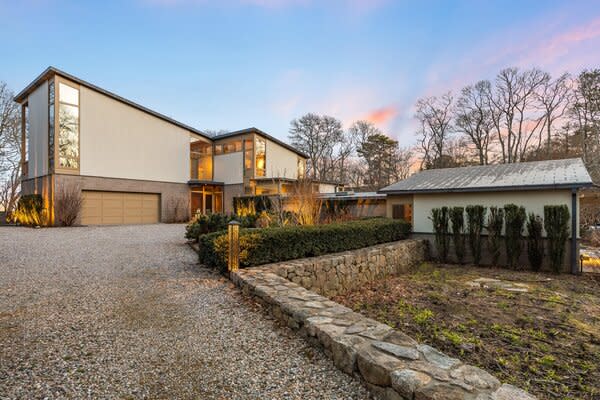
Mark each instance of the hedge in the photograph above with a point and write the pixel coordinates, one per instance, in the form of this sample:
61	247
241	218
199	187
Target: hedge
270	245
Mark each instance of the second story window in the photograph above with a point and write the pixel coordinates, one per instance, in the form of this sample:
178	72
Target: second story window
301	168
68	120
25	138
51	124
248	151
261	157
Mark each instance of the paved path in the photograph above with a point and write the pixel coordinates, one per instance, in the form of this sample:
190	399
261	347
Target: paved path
125	312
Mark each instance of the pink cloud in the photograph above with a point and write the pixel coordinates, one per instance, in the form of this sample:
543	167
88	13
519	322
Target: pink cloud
382	115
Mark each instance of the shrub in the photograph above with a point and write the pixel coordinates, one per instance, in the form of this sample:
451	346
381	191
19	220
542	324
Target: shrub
495	223
475	223
556	223
269	245
457	216
535	241
513	236
67	204
439	217
30	211
209	223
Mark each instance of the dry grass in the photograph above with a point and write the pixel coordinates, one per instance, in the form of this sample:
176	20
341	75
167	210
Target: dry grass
546	340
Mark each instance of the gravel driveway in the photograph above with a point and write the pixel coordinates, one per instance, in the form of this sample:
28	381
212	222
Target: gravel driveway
125	312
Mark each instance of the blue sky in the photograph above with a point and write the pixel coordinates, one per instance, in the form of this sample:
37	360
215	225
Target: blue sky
233	64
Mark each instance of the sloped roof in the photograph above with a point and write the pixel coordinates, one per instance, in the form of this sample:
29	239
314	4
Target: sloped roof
537	175
50	71
261	133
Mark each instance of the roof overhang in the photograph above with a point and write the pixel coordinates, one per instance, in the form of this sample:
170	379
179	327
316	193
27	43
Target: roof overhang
521	188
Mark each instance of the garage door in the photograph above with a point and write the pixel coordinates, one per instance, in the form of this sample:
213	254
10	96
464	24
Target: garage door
101	208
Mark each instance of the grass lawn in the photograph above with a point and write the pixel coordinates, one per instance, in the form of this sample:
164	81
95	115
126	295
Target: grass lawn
545	339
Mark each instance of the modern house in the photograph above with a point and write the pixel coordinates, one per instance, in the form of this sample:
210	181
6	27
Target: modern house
134	165
532	185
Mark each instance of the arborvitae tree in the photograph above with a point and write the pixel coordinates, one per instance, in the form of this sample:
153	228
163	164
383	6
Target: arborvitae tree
440	219
513	236
535	241
475	224
556	223
495	223
457	216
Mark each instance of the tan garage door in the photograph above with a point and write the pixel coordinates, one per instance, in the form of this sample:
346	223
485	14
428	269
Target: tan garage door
114	208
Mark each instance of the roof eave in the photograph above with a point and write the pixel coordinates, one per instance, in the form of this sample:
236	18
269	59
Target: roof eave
489	189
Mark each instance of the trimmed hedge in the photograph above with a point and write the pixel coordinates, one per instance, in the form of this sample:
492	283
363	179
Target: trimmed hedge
270	245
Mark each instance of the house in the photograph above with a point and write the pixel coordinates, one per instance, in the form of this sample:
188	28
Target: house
529	184
134	165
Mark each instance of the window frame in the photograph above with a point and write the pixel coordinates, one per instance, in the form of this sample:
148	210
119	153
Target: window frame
256	169
57	167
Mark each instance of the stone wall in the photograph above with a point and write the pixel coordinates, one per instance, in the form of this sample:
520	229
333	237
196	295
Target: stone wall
391	364
338	273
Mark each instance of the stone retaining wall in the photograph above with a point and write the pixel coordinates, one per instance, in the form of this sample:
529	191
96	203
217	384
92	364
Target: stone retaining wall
339	273
392	365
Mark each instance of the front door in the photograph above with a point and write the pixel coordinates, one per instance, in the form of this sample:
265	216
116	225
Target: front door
207	199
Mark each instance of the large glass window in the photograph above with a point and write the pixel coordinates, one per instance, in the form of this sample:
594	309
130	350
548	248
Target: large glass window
201	160
261	157
51	124
68	119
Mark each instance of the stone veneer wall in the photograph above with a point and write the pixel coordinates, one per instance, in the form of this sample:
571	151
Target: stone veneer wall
334	274
392	365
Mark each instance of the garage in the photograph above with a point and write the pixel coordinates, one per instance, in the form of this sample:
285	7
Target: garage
117	208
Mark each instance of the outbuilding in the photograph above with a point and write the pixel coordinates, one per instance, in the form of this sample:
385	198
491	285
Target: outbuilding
532	185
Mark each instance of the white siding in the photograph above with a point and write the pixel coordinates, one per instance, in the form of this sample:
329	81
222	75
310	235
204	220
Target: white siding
533	201
38	131
119	141
229	168
281	162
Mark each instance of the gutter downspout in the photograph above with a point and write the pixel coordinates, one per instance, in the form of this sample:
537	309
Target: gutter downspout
574	244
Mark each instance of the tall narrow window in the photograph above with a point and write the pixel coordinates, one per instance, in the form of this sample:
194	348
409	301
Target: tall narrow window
261	157
25	138
301	167
51	124
248	151
68	119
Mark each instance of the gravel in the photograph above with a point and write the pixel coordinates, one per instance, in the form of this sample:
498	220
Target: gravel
126	312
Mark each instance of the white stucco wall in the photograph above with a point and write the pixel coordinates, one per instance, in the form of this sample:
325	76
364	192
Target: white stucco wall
326	188
38	131
119	141
533	201
281	162
228	168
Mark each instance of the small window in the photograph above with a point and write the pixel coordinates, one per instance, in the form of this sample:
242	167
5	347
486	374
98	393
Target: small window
218	149
402	211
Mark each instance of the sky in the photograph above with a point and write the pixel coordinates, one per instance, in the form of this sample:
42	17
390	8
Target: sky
234	64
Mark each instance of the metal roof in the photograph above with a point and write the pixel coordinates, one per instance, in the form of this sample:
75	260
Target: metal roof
261	133
536	175
352	196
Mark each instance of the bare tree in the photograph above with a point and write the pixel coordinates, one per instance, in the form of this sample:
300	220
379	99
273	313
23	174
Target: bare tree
322	139
474	118
10	149
435	117
585	116
513	102
554	97
403	159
